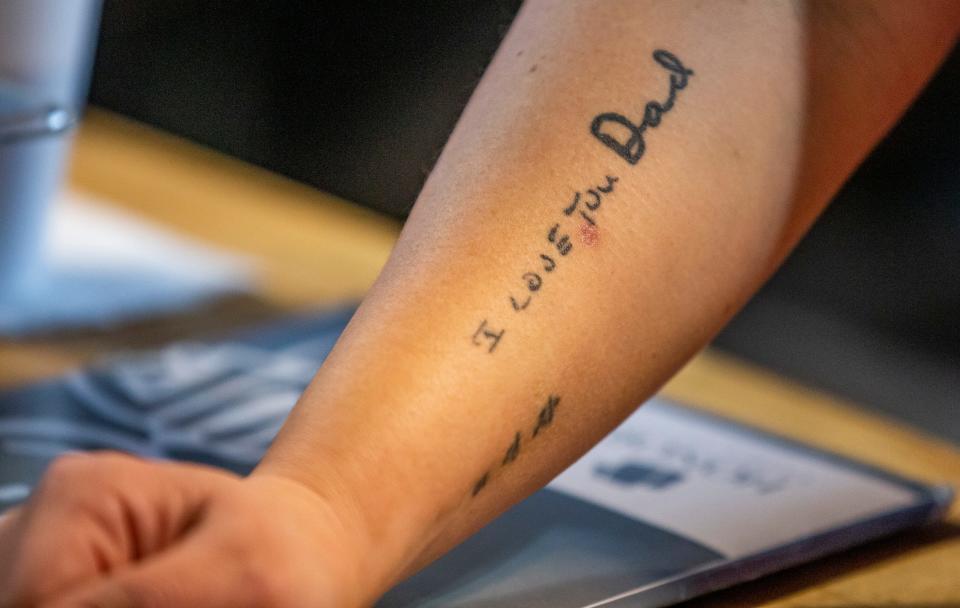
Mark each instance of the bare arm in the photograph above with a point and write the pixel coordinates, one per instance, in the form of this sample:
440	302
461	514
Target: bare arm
626	175
624	178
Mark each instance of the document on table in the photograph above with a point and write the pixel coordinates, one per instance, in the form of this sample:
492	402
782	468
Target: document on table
673	504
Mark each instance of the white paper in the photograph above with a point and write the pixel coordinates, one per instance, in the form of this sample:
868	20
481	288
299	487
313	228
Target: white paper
735	492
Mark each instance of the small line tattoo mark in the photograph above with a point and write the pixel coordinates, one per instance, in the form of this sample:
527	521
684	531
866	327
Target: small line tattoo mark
513	451
545	417
481	483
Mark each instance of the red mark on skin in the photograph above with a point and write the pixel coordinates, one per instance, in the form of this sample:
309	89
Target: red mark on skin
589	234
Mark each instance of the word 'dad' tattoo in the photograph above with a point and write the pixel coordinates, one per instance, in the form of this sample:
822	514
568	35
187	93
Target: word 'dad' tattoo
624	136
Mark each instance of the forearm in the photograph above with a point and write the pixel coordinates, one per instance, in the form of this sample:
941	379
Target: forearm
512	329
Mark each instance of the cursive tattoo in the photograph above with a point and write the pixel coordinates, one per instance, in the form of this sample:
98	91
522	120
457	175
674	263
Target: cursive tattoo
559	244
605	126
626	139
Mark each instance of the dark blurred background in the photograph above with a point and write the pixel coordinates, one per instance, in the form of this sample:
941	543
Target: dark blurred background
357	98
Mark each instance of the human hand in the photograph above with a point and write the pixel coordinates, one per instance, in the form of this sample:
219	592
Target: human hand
109	530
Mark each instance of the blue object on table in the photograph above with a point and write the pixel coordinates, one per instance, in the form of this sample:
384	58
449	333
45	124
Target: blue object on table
217	403
23	116
32	154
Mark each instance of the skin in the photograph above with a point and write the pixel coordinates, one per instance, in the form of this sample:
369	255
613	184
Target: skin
376	472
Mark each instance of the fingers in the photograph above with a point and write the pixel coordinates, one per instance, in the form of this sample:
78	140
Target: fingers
93	515
69	530
198	572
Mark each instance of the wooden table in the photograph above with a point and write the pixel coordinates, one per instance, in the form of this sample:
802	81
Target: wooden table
317	250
